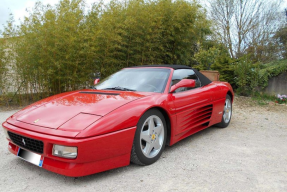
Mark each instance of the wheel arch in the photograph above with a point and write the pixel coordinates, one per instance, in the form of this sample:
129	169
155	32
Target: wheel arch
226	88
167	120
230	94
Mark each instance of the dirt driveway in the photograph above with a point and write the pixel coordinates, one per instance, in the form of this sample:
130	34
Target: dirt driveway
249	155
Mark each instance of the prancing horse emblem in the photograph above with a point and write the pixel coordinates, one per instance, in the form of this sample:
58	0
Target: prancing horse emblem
23	141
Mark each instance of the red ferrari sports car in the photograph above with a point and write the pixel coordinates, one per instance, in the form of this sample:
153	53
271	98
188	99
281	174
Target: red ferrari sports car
128	117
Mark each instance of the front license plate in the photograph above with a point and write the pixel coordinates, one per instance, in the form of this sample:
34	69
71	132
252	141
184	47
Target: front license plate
30	157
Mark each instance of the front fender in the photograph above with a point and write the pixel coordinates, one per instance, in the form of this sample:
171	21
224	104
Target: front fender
125	116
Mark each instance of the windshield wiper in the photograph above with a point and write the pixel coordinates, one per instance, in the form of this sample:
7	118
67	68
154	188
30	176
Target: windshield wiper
120	88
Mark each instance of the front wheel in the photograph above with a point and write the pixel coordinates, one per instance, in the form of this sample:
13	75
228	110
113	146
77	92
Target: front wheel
227	112
150	138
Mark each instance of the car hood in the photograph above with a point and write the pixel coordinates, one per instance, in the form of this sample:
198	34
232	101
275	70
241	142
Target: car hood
59	109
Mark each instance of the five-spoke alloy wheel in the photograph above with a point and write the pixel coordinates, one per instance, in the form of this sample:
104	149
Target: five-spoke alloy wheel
227	112
150	138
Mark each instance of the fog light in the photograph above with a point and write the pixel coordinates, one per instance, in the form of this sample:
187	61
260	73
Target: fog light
64	151
6	133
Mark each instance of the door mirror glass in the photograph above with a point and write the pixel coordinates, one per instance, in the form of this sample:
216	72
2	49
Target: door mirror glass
95	77
96	81
189	83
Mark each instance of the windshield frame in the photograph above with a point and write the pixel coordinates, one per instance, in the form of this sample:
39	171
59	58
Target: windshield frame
139	68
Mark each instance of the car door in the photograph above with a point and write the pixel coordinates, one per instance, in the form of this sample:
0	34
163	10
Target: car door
193	106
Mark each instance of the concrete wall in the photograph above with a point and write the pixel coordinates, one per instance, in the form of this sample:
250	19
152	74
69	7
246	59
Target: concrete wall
277	85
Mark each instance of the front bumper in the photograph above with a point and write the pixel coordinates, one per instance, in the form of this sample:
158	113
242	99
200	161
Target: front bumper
95	154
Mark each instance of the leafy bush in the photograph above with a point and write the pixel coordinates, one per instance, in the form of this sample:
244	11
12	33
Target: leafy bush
247	77
216	58
3	68
272	69
254	77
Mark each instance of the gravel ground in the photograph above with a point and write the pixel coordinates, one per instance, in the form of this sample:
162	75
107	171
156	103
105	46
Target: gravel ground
249	155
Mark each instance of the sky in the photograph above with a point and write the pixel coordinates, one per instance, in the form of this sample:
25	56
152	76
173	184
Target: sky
18	8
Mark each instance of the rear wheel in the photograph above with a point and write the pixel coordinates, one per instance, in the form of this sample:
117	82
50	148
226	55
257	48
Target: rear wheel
150	138
227	113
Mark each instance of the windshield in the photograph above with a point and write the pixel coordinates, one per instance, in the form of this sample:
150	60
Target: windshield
136	79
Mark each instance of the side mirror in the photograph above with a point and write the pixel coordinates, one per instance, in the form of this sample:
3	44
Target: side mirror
183	83
96	81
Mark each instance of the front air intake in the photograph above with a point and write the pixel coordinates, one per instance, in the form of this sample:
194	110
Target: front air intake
27	143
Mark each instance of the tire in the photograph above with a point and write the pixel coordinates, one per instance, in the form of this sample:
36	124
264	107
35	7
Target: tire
226	114
150	138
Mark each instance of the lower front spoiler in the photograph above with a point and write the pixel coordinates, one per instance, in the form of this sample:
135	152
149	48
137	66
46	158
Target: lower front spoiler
79	169
95	155
83	169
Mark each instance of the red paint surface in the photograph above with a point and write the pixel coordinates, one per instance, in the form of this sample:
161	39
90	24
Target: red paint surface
103	126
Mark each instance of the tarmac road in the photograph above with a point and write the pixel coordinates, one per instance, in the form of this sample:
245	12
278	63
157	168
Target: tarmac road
249	155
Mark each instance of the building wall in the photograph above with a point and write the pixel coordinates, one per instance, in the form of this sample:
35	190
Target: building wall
277	85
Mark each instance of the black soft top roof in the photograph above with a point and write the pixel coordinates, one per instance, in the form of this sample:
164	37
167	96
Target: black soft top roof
170	66
203	79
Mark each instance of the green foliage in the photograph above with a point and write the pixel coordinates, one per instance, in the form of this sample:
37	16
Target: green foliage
271	69
224	64
281	38
216	58
56	48
3	71
264	99
206	58
247	78
3	68
263	53
6	57
251	78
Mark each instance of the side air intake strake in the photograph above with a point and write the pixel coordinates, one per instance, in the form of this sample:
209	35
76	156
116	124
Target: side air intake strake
201	116
197	119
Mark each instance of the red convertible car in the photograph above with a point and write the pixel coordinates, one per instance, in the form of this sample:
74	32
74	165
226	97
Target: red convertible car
128	117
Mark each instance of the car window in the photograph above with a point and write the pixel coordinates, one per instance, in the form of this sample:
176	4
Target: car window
136	79
180	74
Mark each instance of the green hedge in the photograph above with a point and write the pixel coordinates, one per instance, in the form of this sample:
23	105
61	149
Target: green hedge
270	70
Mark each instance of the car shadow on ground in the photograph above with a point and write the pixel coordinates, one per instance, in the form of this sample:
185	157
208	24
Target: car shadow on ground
192	138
